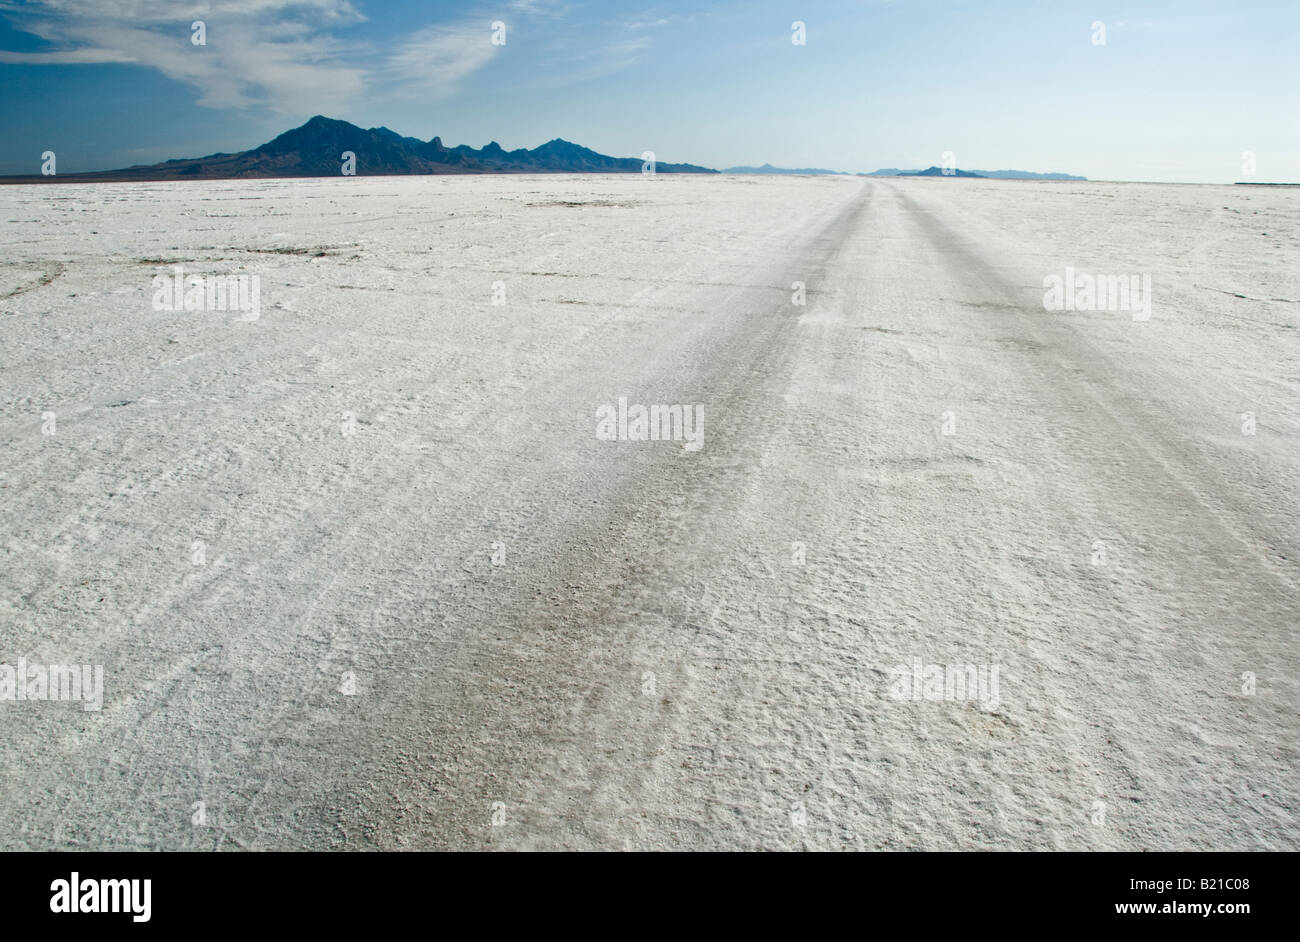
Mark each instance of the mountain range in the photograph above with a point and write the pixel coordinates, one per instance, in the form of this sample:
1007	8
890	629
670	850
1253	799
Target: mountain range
316	150
940	172
993	174
929	172
768	168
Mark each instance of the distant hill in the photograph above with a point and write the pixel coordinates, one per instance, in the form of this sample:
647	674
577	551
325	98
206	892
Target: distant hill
1026	175
938	172
315	150
993	174
768	168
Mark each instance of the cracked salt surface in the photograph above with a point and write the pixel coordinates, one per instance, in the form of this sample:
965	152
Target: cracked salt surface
431	608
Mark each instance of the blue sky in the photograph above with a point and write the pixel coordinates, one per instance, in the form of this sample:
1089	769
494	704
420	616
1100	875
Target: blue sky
1179	90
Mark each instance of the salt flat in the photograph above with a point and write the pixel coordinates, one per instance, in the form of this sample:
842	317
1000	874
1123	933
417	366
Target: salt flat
360	573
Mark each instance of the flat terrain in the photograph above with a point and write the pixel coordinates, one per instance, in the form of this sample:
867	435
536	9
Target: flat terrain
361	575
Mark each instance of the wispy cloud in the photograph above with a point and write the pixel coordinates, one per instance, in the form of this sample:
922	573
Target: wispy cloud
177	10
281	55
654	22
297	57
432	61
595	61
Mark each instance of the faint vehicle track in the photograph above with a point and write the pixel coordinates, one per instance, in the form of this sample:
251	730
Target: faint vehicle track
52	271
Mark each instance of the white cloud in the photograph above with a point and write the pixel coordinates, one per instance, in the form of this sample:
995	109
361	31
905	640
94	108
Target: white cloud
433	60
275	54
166	11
